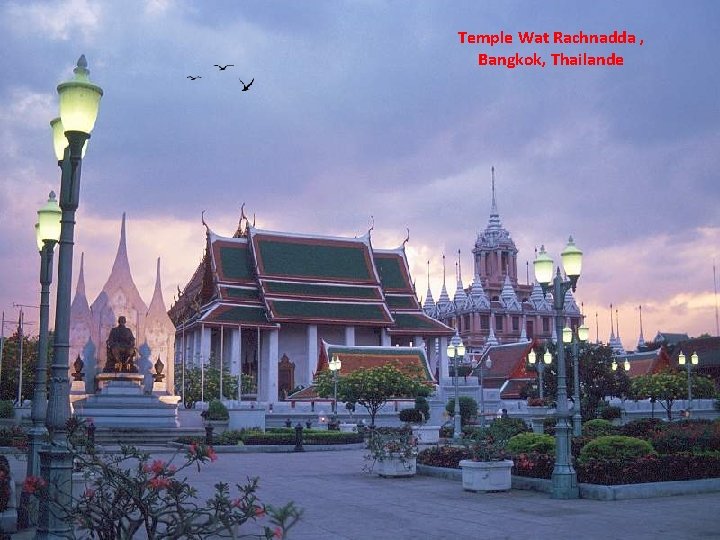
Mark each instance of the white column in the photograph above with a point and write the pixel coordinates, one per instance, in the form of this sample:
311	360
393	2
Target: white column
270	369
205	344
418	341
312	357
350	336
233	337
444	369
384	338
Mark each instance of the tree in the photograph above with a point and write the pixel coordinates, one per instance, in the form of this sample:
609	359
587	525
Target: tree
668	386
371	387
597	378
9	377
205	383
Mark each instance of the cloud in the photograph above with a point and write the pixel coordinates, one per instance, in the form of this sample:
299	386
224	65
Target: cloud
59	20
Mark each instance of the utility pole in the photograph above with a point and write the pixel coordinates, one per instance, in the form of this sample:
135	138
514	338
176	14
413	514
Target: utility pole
2	342
20	356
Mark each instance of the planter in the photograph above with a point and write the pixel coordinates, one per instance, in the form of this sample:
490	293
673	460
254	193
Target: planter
426	434
348	428
395	467
486	475
9	516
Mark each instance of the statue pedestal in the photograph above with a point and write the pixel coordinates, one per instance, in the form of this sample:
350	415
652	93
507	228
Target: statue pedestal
122	403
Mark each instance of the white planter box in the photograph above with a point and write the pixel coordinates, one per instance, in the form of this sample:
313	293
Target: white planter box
486	475
395	467
426	434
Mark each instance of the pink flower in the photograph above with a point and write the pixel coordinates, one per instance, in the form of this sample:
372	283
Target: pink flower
277	533
193	449
211	454
236	503
159	483
259	511
171	469
89	493
157	466
33	484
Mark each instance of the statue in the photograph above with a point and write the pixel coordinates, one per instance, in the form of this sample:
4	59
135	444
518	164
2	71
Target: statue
121	350
159	366
78	365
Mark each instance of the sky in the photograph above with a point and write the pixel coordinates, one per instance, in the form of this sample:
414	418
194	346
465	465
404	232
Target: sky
374	113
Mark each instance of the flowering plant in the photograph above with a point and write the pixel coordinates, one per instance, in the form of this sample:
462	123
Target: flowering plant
485	447
128	494
388	444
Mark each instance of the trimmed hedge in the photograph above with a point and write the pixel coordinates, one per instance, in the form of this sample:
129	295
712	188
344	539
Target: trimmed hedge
612	447
687	436
525	443
642	428
534	465
412	416
598	428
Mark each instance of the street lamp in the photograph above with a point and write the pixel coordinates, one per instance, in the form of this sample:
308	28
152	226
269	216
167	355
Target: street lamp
456	350
564	478
47	232
335	365
574	338
487	364
694	360
540	368
626	365
79	102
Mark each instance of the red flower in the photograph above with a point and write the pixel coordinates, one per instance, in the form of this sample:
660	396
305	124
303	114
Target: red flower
211	454
159	482
89	493
259	511
236	503
33	484
277	533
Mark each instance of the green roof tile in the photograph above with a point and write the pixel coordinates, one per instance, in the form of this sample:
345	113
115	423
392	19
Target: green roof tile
392	275
241	294
240	314
318	290
234	262
401	302
366	313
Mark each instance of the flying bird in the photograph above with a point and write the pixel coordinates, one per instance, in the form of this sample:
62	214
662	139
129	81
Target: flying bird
193	78
246	87
223	68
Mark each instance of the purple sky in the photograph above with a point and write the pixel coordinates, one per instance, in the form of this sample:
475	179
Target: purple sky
370	108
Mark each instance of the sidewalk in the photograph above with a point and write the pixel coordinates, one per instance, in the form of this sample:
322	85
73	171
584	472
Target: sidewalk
341	502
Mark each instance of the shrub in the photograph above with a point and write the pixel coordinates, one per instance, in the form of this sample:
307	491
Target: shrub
502	429
443	456
597	428
468	408
13	436
688	436
641	428
216	411
412	416
577	443
6	409
611	412
4	483
615	447
534	465
549	425
524	443
422	405
660	468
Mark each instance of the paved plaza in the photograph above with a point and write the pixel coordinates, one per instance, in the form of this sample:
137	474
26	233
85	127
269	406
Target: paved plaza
341	502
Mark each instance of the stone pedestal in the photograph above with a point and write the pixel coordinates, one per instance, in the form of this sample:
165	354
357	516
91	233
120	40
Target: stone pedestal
121	402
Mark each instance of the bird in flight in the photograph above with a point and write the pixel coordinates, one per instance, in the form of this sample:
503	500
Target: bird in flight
223	68
246	87
193	78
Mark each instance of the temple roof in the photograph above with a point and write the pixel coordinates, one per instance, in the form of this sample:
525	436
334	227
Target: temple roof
495	235
262	278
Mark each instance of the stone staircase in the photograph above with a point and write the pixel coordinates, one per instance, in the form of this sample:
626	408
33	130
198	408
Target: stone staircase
137	436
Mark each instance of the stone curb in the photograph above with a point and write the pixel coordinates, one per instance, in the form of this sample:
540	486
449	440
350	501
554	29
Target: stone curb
274	448
596	491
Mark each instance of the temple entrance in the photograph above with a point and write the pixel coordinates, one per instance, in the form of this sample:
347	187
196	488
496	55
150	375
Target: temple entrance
286	377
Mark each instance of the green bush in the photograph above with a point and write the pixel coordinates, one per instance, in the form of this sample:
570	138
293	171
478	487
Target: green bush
6	409
422	405
412	416
524	443
597	428
549	423
502	429
642	428
216	411
468	408
617	447
610	412
443	456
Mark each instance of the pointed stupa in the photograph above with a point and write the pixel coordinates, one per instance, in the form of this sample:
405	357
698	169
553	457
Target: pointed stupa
460	297
429	306
444	305
160	335
508	296
492	340
641	339
618	347
523	330
81	327
477	299
80	303
571	306
537	299
611	341
119	297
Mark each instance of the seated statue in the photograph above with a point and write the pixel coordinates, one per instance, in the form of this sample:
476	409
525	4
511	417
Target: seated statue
121	350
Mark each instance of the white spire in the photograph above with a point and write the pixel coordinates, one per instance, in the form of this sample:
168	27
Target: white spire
121	266
492	339
570	304
641	339
477	298
157	303
80	305
523	330
494	215
537	299
444	305
429	306
508	296
460	298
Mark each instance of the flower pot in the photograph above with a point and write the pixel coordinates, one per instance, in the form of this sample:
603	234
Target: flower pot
486	475
395	466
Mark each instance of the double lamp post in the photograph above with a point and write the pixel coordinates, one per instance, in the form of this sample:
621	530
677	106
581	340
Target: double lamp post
79	102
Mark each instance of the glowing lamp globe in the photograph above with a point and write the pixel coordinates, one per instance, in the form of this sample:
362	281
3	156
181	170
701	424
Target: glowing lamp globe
543	266
583	333
567	335
681	358
79	100
571	259
547	357
48	225
694	359
532	357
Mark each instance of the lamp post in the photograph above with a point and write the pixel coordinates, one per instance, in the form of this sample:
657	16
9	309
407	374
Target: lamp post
456	350
79	102
335	365
564	478
47	231
547	359
573	337
694	360
487	364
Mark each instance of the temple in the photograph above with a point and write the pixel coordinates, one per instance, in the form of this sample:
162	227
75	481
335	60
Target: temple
496	308
262	303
